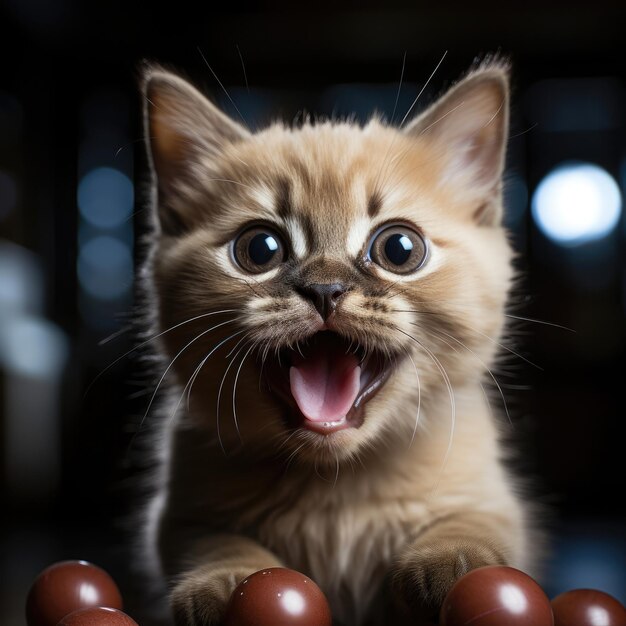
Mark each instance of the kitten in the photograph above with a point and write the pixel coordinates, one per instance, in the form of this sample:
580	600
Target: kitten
329	298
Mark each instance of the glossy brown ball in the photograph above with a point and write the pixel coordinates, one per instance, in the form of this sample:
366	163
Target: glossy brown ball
66	587
496	596
277	597
588	607
97	616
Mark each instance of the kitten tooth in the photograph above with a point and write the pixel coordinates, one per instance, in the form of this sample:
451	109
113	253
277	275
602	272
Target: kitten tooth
335	422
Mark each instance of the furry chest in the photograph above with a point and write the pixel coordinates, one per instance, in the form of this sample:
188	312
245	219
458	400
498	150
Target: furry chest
347	550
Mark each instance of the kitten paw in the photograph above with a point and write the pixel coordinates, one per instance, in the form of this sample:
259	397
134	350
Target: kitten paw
200	598
425	573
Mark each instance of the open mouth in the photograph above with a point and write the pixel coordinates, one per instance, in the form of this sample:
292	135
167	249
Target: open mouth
326	381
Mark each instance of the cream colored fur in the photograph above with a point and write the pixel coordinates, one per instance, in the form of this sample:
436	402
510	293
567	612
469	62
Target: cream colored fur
417	495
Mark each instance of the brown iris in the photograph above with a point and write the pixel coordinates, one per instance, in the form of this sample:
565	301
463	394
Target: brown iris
398	248
259	249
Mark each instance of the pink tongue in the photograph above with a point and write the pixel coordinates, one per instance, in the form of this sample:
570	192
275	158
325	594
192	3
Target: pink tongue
325	384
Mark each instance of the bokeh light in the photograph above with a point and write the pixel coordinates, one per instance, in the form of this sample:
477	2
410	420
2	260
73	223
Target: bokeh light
589	558
21	280
105	197
32	346
577	203
105	268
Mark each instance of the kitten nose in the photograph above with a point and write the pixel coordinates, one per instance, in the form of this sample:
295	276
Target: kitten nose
324	297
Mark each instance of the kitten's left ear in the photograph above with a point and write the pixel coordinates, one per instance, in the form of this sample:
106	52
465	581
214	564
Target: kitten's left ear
185	133
469	127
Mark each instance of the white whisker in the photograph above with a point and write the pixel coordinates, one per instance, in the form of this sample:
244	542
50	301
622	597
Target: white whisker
235	389
243	67
530	319
385	162
443	117
395	106
446	379
419	399
222	86
147	341
219	391
292	456
193	377
506	408
192	380
172	363
423	88
230	180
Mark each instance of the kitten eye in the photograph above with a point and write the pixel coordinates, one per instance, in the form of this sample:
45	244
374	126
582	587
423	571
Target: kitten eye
259	249
398	249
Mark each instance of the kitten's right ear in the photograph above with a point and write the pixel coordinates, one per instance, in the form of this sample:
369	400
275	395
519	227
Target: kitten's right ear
184	133
469	128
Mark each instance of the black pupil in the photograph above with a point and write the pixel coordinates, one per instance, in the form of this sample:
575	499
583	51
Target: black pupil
262	248
398	249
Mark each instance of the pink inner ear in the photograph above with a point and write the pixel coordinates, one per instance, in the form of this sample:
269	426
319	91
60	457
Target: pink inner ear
325	384
468	128
475	155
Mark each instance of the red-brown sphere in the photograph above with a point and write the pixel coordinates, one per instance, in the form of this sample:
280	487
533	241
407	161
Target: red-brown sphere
97	616
588	607
496	596
66	587
277	597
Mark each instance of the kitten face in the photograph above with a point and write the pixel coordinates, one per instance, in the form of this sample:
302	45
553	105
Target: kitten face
360	272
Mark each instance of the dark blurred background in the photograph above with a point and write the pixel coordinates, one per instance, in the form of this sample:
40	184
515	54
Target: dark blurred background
72	175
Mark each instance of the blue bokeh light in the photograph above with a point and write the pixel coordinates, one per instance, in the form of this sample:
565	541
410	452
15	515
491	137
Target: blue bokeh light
594	558
105	197
105	268
32	346
577	203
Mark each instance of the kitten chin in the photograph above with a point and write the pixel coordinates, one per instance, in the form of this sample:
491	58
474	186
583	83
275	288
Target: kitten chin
328	300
